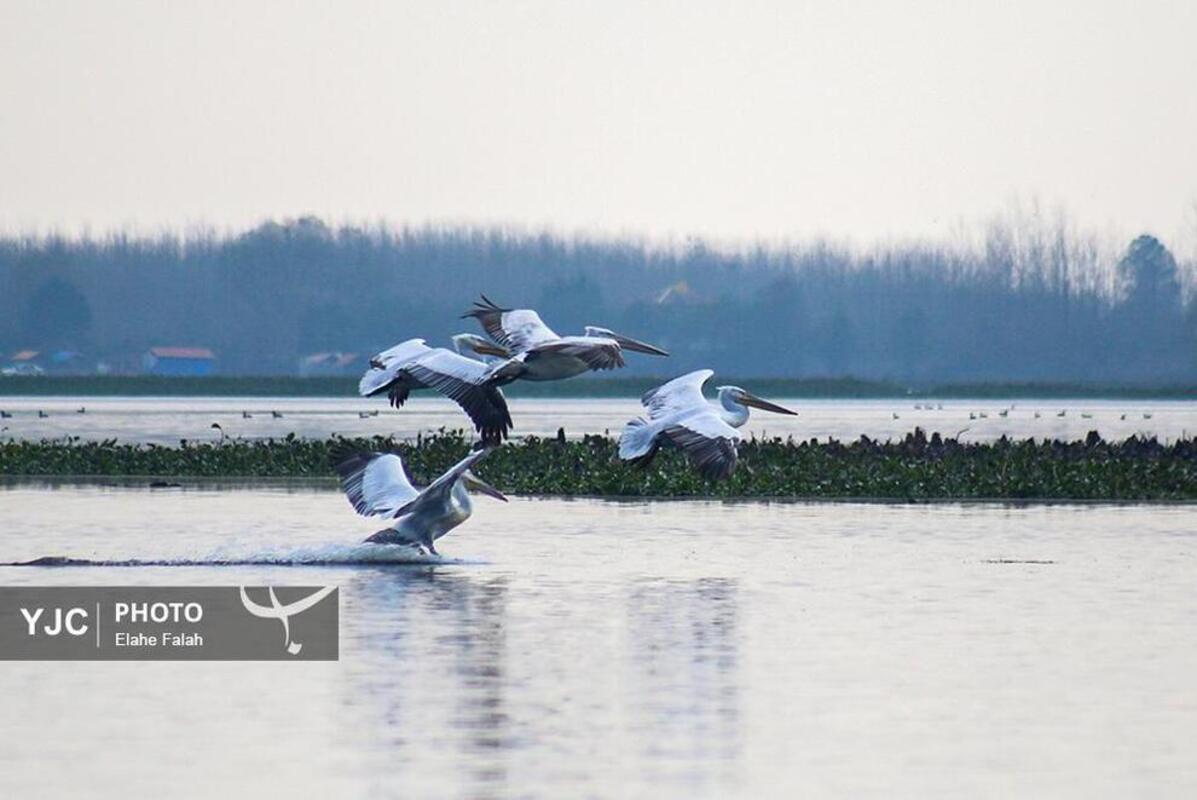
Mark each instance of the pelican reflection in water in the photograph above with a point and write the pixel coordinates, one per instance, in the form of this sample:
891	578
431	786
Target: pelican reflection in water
377	485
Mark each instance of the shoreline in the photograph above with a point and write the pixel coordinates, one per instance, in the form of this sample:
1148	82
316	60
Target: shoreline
70	386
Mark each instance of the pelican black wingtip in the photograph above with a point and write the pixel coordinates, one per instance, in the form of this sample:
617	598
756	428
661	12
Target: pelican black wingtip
482	307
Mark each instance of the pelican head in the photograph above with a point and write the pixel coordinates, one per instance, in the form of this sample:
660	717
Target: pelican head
475	484
729	395
478	345
626	342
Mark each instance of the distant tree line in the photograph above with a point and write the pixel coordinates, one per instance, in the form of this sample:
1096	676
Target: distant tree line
1028	301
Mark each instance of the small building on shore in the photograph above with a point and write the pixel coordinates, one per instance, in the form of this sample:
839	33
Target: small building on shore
188	361
330	364
24	362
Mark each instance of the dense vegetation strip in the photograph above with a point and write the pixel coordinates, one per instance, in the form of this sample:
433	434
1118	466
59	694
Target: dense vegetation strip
915	468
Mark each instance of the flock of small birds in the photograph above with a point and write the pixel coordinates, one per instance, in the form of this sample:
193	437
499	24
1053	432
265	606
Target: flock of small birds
972	415
1005	412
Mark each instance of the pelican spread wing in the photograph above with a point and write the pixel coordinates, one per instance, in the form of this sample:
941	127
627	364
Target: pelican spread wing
435	493
414	365
518	329
375	483
680	394
679	415
596	353
708	442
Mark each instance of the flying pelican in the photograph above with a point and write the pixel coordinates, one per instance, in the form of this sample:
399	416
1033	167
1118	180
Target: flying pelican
537	353
377	485
679	415
479	345
414	365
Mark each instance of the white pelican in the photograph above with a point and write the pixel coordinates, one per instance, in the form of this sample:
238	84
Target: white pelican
414	365
479	345
537	353
679	415
377	485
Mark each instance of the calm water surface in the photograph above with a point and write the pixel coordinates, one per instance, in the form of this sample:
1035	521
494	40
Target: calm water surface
166	420
574	648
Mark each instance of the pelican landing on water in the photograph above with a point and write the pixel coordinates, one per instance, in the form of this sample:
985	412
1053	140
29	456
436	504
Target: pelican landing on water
535	352
414	365
377	485
678	415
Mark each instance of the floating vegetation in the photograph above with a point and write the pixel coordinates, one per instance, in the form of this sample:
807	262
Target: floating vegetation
914	468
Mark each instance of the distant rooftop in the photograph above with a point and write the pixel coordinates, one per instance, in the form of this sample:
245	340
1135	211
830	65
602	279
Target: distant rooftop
182	352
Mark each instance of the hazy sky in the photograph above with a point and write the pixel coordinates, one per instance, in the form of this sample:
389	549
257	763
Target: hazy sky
728	120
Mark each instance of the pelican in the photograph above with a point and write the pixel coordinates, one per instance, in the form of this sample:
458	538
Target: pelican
538	353
479	345
377	485
5	415
414	365
679	415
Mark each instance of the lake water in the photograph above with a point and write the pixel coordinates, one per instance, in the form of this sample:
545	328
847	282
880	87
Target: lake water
633	649
166	420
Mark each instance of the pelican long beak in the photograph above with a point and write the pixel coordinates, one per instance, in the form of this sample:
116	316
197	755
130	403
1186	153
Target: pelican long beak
489	349
757	402
637	346
475	483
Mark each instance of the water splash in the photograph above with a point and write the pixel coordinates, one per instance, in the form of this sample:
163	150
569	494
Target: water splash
364	554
